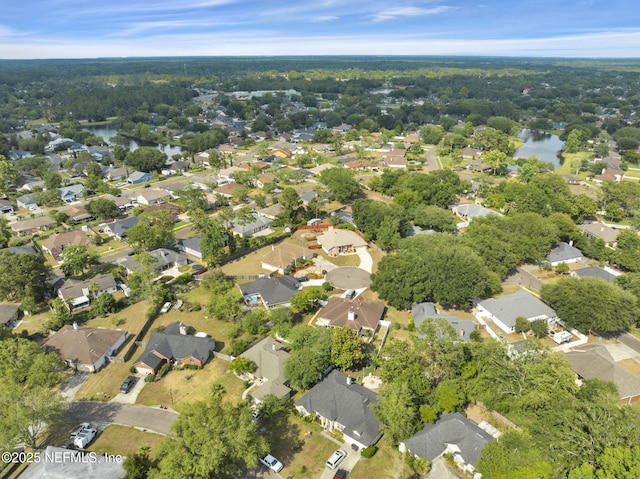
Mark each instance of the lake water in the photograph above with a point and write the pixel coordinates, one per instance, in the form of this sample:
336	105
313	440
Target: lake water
545	146
107	131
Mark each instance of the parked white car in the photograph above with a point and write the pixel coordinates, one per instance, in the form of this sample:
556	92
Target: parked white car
272	463
166	307
84	437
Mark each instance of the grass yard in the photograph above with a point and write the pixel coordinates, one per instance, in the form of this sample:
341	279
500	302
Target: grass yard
379	465
105	384
249	264
180	387
125	441
309	460
567	165
341	260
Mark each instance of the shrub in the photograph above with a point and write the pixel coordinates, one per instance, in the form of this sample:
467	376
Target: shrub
238	347
132	370
163	370
149	378
369	451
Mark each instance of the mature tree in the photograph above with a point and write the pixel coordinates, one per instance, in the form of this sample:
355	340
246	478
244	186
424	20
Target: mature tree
347	349
153	231
141	280
23	276
241	365
310	357
226	306
212	243
514	456
102	208
291	205
439	188
627	255
76	258
105	304
591	304
397	411
254	321
341	183
614	463
433	217
283	320
8	174
306	299
138	464
5	233
380	222
192	198
432	268
211	439
146	158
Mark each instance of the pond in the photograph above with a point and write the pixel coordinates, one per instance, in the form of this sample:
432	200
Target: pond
107	131
545	146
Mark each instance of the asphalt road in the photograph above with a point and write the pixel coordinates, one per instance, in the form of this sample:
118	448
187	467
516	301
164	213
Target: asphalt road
430	155
629	340
149	418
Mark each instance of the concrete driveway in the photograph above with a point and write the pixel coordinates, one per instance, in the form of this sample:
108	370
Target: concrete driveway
366	261
131	396
441	470
72	385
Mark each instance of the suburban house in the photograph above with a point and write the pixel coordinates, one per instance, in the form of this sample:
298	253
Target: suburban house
176	346
472	210
228	189
33	225
272	292
360	164
22	249
503	311
119	229
178	167
57	242
258	225
284	256
117	173
71	193
594	272
26	201
191	246
6	207
77	213
595	362
138	177
336	241
265	179
356	314
165	259
451	434
79	293
153	196
563	253
271	212
9	314
269	356
395	159
341	404
469	153
226	174
85	349
612	174
600	231
427	310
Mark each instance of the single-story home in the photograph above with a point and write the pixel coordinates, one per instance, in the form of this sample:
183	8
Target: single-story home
336	241
610	174
228	189
341	404
600	231
26	201
451	434
85	349
272	292
71	193
176	346
165	260
57	242
595	362
594	272
269	356
473	210
138	177
6	207
356	314
421	312
563	253
503	311
265	179
79	292
9	314
259	223
117	173
191	246
77	213
33	225
153	196
285	255
119	229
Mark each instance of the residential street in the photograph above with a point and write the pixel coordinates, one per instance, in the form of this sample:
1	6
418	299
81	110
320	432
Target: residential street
144	417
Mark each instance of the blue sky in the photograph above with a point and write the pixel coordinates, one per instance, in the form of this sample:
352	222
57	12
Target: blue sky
125	28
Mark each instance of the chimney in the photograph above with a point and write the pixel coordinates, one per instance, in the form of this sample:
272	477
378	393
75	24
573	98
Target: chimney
351	315
183	330
348	380
462	333
273	346
75	326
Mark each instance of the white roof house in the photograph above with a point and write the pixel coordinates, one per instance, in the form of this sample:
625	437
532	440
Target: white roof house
503	311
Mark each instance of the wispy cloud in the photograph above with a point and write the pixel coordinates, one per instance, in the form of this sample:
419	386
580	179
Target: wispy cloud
324	18
393	13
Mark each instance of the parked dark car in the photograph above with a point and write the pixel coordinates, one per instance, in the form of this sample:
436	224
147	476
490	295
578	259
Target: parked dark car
128	384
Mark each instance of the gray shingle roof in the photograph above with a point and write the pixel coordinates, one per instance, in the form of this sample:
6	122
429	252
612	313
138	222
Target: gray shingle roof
346	404
595	272
563	252
120	228
424	311
508	308
273	291
269	355
176	346
453	429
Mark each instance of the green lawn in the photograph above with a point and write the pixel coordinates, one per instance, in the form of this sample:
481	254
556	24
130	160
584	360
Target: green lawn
124	441
379	465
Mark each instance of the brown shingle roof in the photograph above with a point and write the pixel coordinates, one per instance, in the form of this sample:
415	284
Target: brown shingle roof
366	315
284	254
82	345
